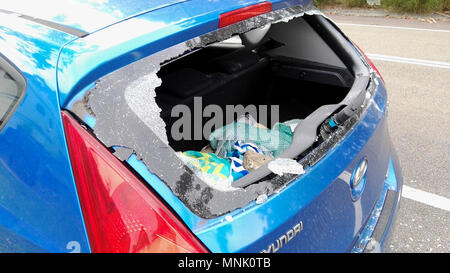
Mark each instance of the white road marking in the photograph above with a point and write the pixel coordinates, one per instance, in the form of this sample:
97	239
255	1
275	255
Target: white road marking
394	27
426	198
408	60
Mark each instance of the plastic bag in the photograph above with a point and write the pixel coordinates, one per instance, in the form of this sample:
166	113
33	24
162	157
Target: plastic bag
270	141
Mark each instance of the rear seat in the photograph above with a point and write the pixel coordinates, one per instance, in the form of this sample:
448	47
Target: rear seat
232	80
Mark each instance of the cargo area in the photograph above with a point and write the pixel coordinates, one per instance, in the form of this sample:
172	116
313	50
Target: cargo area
286	65
289	65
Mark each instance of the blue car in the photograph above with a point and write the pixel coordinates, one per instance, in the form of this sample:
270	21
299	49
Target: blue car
109	109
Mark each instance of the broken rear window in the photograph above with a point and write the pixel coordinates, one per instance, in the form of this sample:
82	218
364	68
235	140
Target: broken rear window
219	117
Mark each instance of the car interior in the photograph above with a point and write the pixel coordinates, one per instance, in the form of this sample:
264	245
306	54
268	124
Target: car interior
285	64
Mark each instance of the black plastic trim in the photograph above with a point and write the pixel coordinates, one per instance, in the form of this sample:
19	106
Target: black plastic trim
385	216
312	71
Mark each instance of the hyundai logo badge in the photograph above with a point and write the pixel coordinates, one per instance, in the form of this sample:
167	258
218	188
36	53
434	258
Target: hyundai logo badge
358	180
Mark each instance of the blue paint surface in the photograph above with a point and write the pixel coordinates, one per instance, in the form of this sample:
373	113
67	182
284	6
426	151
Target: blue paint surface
39	206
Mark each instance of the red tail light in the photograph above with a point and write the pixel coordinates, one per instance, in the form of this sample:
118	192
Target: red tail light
369	61
120	213
244	13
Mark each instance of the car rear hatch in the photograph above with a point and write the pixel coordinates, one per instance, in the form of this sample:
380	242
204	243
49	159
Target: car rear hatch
317	77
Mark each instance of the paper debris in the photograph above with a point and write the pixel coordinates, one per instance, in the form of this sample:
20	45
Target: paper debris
281	166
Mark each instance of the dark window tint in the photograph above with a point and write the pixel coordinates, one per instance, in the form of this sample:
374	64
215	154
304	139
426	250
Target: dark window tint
12	88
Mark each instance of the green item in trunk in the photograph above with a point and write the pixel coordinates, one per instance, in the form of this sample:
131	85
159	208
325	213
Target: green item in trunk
271	141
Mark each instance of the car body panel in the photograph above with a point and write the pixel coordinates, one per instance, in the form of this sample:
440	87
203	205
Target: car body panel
39	208
374	236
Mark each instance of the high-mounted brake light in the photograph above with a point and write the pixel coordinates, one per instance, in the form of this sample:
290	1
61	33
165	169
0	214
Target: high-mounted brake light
120	213
234	16
369	61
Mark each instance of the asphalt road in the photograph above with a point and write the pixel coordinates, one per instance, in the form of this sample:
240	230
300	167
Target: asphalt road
418	117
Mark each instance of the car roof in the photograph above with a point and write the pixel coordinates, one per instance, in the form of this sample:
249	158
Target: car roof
84	15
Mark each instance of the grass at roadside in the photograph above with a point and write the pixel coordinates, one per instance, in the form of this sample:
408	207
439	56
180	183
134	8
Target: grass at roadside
410	6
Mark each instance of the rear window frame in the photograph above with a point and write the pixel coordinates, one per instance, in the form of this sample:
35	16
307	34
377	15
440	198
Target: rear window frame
188	196
17	75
